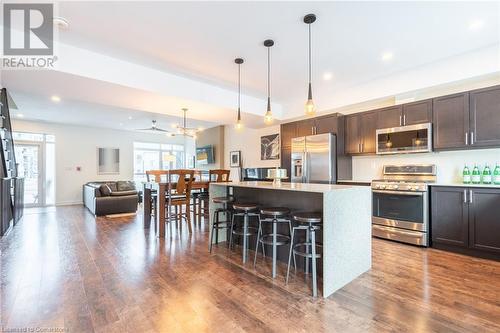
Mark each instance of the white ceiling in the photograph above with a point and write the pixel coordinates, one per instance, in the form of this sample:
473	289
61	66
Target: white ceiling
200	40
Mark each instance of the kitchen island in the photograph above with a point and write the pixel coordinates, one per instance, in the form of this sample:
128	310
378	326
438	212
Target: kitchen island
346	230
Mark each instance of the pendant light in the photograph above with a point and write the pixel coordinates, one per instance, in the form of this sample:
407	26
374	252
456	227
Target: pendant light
309	107
239	124
268	117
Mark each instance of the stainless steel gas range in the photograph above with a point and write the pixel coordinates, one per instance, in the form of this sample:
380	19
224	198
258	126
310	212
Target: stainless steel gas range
401	203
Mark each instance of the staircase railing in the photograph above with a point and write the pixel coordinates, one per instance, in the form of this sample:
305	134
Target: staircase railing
11	186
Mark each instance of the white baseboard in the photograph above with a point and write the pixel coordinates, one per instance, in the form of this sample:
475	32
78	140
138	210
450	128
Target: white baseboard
69	203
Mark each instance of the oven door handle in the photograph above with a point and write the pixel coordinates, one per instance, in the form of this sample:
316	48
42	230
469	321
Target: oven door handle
419	194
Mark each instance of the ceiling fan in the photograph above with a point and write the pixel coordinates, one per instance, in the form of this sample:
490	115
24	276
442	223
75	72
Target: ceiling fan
153	128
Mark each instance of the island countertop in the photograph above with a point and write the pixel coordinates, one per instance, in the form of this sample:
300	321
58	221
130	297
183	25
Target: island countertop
299	187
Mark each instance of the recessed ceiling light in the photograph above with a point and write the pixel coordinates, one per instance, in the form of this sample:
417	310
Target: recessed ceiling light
327	76
386	56
476	25
55	98
20	115
61	23
129	117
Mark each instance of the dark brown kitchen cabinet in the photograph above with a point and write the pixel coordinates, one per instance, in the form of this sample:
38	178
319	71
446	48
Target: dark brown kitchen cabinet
286	160
390	117
360	131
484	219
451	121
327	124
449	216
288	132
352	134
417	112
485	117
368	132
306	127
466	220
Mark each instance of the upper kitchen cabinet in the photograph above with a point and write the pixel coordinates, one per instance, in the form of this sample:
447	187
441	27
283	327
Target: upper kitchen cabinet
390	117
360	131
417	112
451	121
352	134
288	132
306	127
485	117
327	124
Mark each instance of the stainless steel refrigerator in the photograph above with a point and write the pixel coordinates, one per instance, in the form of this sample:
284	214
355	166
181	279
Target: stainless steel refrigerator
314	159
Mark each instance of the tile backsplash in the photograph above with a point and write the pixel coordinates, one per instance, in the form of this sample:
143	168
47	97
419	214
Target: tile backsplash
449	164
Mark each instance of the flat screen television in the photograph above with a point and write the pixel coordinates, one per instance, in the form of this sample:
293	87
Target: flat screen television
205	155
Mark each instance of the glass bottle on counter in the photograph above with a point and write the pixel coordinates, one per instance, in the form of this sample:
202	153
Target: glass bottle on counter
486	175
466	175
496	175
476	175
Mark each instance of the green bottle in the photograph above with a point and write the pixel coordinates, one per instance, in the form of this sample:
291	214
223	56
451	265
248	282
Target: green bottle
466	175
486	175
496	175
476	175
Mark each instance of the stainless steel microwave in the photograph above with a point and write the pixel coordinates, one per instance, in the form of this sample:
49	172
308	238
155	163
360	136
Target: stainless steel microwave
404	139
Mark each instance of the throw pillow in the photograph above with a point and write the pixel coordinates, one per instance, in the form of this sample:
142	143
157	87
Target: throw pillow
125	185
105	190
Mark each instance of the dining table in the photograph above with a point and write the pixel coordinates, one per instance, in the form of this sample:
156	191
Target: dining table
161	202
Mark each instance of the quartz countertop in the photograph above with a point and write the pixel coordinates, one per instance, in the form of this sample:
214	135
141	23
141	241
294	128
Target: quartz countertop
299	187
458	184
354	181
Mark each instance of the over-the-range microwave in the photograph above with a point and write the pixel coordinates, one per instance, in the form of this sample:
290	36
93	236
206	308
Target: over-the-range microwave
404	139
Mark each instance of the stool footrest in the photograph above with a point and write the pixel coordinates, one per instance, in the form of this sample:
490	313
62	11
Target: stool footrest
250	232
304	252
281	239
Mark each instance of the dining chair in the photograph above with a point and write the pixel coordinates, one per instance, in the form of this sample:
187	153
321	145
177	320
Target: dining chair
179	196
216	176
156	176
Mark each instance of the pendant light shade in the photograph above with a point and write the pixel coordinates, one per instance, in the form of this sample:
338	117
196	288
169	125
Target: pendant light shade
309	107
268	117
239	123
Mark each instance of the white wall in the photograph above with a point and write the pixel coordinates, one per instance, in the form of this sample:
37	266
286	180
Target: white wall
247	141
76	147
449	164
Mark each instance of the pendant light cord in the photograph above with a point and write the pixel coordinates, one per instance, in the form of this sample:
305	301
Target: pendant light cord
310	53
239	85
268	72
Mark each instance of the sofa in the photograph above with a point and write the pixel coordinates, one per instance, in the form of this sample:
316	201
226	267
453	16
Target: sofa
110	197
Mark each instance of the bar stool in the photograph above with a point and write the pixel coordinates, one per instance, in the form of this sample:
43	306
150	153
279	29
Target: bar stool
217	223
246	210
310	222
275	215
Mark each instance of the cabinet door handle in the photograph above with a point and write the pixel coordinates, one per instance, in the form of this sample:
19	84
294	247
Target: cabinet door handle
362	146
470	196
400	120
359	147
465	196
466	138
472	137
404	119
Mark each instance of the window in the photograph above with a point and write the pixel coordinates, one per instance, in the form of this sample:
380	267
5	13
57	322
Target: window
156	156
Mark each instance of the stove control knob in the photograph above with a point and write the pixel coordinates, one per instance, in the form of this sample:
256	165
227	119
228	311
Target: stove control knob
395	187
382	186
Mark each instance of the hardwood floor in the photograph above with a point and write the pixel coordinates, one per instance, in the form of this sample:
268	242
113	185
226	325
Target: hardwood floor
61	268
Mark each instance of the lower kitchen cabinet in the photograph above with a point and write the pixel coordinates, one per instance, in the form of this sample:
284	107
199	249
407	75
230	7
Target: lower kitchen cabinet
466	220
450	221
484	219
